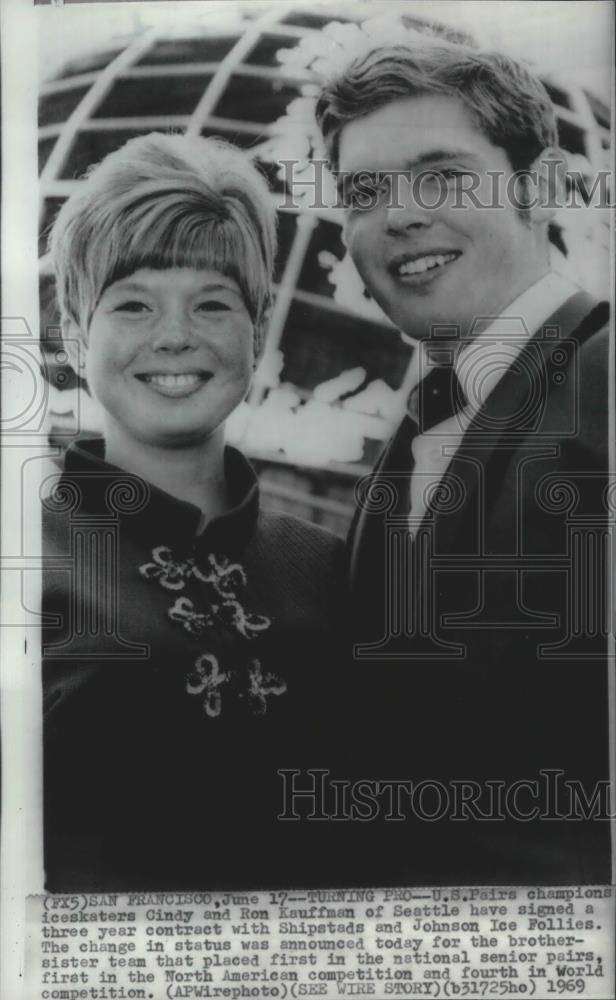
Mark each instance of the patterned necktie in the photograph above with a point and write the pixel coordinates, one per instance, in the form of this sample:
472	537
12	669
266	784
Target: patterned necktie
436	398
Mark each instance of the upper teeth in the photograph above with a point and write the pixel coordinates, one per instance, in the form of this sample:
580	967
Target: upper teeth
173	380
423	263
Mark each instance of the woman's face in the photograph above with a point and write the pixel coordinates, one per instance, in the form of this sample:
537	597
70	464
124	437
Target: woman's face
169	355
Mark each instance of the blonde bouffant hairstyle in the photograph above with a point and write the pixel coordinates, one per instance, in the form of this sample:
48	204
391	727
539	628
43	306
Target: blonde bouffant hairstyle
166	201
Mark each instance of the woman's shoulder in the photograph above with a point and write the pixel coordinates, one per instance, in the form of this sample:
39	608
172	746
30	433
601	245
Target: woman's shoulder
293	547
287	529
58	499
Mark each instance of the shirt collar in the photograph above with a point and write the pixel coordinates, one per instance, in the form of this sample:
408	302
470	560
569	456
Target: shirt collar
154	516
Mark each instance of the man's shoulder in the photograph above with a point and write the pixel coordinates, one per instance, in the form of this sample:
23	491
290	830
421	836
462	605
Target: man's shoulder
593	393
590	360
589	339
594	348
591	316
576	398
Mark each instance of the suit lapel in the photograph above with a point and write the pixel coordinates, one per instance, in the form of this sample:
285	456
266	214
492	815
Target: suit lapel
512	411
486	432
381	494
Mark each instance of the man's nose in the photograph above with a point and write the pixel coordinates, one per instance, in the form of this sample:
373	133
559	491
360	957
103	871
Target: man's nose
406	209
174	332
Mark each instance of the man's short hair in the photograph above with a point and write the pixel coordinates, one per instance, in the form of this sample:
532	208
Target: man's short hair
509	104
164	201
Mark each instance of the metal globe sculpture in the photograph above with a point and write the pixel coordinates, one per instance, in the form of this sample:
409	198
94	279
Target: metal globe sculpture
332	380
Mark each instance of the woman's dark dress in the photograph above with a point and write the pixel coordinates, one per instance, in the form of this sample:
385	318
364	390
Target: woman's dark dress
181	672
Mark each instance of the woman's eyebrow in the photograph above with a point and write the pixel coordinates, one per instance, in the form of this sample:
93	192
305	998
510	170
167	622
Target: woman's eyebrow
129	285
126	286
218	286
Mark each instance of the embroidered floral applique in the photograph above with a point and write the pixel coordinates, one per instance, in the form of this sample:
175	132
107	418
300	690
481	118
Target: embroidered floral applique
246	623
224	576
215	608
206	679
195	622
260	687
170	573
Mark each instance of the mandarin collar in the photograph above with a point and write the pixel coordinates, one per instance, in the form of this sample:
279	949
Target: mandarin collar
154	516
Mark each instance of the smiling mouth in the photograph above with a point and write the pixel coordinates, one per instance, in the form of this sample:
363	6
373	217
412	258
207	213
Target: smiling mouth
417	266
176	383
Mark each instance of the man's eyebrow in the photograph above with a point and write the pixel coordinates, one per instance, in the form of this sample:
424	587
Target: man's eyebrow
440	156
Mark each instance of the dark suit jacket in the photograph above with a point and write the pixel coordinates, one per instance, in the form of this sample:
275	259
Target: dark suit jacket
480	646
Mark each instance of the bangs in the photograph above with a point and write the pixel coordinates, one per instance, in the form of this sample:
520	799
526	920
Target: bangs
163	202
161	236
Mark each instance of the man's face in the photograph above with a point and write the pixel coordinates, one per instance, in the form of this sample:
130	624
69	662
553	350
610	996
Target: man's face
444	265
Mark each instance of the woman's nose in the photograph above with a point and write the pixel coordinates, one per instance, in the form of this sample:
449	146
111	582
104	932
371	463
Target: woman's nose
174	332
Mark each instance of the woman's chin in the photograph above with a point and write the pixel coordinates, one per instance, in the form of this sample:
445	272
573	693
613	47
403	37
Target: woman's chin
185	440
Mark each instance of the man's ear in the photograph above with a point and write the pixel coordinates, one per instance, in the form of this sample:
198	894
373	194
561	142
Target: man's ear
547	191
75	345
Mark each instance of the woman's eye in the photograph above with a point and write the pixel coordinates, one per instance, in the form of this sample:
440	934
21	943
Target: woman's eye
213	305
132	306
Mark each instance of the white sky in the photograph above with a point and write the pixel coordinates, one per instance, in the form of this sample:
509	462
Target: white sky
571	38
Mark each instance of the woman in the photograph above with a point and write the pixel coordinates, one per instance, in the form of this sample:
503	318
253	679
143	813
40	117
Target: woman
190	646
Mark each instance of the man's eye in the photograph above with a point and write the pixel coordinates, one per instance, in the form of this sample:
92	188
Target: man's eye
446	175
454	174
368	195
214	305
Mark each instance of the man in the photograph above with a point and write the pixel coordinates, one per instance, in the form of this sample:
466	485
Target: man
479	549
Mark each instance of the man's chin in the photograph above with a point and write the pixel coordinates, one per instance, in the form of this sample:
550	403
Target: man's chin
413	330
431	329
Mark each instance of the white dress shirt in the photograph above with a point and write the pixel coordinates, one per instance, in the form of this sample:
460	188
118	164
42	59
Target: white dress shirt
480	365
